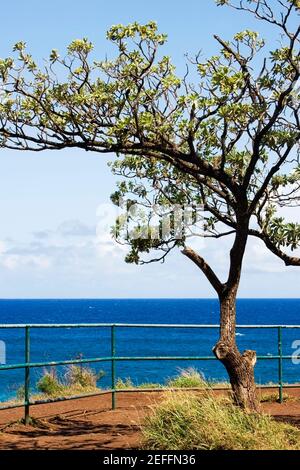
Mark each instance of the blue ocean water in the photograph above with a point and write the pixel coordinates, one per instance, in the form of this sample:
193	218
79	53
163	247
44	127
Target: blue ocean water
63	344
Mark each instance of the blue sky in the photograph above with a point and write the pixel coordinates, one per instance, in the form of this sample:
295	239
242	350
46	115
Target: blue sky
48	201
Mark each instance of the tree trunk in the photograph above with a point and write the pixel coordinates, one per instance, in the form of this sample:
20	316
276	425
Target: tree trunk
240	366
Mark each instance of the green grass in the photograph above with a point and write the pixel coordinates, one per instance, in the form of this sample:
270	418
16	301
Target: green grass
79	379
49	384
187	378
82	378
128	384
184	421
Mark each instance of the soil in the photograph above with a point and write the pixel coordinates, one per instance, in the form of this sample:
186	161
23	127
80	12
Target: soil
89	423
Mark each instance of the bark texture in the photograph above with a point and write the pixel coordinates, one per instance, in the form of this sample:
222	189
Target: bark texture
239	366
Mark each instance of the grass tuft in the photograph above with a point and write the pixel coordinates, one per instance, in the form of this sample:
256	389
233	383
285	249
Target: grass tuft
187	378
186	421
49	384
273	398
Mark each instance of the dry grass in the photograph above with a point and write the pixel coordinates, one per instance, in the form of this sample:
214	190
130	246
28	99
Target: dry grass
186	421
272	397
77	380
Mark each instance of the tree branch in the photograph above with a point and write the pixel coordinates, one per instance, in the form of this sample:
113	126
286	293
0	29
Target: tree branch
205	268
288	260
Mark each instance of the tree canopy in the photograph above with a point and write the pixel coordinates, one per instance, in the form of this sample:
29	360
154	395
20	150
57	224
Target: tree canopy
228	140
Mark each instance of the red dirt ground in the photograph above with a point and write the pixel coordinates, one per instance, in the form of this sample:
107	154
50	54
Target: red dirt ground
89	423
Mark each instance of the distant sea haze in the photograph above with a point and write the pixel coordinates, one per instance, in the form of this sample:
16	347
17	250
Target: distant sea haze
62	344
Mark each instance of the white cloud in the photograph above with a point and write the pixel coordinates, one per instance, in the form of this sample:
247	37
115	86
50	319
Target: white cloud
75	228
2	247
72	246
14	261
76	245
86	264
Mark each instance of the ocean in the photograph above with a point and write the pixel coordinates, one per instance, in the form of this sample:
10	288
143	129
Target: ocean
64	344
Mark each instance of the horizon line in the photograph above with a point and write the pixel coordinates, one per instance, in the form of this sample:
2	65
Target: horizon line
142	298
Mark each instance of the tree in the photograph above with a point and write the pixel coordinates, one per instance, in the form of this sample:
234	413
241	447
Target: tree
229	143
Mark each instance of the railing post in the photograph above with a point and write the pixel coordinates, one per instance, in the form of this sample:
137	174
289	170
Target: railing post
280	390
27	376
113	367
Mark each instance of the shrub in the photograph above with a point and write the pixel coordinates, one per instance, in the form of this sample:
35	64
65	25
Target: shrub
186	421
82	376
49	384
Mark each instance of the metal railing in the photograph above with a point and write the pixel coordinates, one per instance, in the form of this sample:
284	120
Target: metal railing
113	358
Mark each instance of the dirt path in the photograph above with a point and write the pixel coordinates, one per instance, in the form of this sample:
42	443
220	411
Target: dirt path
89	423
